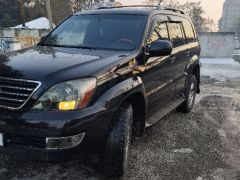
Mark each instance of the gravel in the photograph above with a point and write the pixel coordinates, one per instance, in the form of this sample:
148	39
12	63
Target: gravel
204	144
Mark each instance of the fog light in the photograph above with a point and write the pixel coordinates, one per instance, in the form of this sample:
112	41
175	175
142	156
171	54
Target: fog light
64	142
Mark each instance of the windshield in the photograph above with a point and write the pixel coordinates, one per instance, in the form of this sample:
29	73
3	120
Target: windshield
112	32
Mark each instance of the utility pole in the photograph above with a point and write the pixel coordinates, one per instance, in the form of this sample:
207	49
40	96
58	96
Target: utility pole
22	12
160	3
49	12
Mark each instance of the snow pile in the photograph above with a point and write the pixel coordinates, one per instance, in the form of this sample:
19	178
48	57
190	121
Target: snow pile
40	23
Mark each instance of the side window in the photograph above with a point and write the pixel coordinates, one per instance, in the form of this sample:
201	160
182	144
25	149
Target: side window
160	32
190	35
176	34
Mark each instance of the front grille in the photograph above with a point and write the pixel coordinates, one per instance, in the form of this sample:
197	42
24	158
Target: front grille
14	93
36	142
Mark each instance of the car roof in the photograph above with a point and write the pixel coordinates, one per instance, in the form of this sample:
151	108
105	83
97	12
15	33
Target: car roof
133	10
140	11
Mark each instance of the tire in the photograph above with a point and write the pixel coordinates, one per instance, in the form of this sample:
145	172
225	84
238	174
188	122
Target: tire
190	95
115	158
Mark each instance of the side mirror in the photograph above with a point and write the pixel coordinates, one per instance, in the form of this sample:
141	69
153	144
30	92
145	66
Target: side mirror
160	48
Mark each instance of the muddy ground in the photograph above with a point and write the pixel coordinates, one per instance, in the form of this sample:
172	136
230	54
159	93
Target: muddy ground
204	144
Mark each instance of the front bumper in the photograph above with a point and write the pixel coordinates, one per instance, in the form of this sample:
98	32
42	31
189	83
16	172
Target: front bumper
26	134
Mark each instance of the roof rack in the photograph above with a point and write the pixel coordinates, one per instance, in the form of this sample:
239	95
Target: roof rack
113	7
147	6
174	10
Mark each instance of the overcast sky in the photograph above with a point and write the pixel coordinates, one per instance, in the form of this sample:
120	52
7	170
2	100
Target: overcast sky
213	8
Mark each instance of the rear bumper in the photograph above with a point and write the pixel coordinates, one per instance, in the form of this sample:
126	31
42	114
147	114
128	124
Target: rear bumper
25	135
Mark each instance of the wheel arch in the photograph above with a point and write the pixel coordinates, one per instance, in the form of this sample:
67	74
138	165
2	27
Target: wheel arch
139	105
132	91
196	72
194	68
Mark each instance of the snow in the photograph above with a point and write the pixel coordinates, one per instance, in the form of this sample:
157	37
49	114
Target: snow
221	69
40	23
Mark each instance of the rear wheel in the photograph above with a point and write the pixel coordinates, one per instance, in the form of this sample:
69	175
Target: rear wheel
115	158
190	95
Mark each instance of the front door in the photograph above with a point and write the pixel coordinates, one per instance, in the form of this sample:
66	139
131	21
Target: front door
158	77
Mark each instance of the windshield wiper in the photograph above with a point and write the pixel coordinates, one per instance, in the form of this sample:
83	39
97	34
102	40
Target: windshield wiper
86	47
67	46
82	47
52	45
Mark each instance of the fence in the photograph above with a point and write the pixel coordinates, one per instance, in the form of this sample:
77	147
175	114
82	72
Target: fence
14	39
8	44
4	45
217	44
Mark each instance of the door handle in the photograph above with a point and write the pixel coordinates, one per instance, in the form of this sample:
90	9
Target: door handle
172	59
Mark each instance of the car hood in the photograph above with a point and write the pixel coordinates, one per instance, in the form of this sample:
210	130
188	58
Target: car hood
55	63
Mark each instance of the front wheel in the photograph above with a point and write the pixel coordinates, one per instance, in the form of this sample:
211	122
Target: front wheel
190	95
115	158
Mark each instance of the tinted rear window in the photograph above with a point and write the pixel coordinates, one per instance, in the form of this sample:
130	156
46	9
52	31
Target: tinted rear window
190	35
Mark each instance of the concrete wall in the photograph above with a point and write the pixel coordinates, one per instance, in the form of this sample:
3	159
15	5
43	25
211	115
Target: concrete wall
217	44
237	43
9	44
27	37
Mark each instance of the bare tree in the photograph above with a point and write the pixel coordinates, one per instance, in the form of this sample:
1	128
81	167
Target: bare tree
193	9
164	3
196	13
61	9
49	12
22	12
79	5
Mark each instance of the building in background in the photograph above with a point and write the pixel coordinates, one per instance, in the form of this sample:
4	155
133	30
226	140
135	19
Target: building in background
230	20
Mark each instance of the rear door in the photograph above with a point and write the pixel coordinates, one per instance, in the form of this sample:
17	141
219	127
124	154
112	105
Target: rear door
192	46
180	55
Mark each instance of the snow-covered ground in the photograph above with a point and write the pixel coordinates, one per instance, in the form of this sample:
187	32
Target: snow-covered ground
201	145
220	69
40	23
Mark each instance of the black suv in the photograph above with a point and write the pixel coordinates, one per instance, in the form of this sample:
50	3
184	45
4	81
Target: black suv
99	78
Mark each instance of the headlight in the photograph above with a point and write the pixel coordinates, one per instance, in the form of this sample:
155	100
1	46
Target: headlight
70	95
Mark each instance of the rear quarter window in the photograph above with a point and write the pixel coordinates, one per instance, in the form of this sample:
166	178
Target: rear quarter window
189	32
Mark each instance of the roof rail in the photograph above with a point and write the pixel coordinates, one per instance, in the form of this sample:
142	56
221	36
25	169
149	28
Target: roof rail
147	6
113	7
173	9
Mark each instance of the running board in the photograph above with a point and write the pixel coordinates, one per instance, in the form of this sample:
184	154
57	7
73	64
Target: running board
164	111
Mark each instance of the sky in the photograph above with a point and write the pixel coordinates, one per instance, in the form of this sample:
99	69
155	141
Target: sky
213	8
